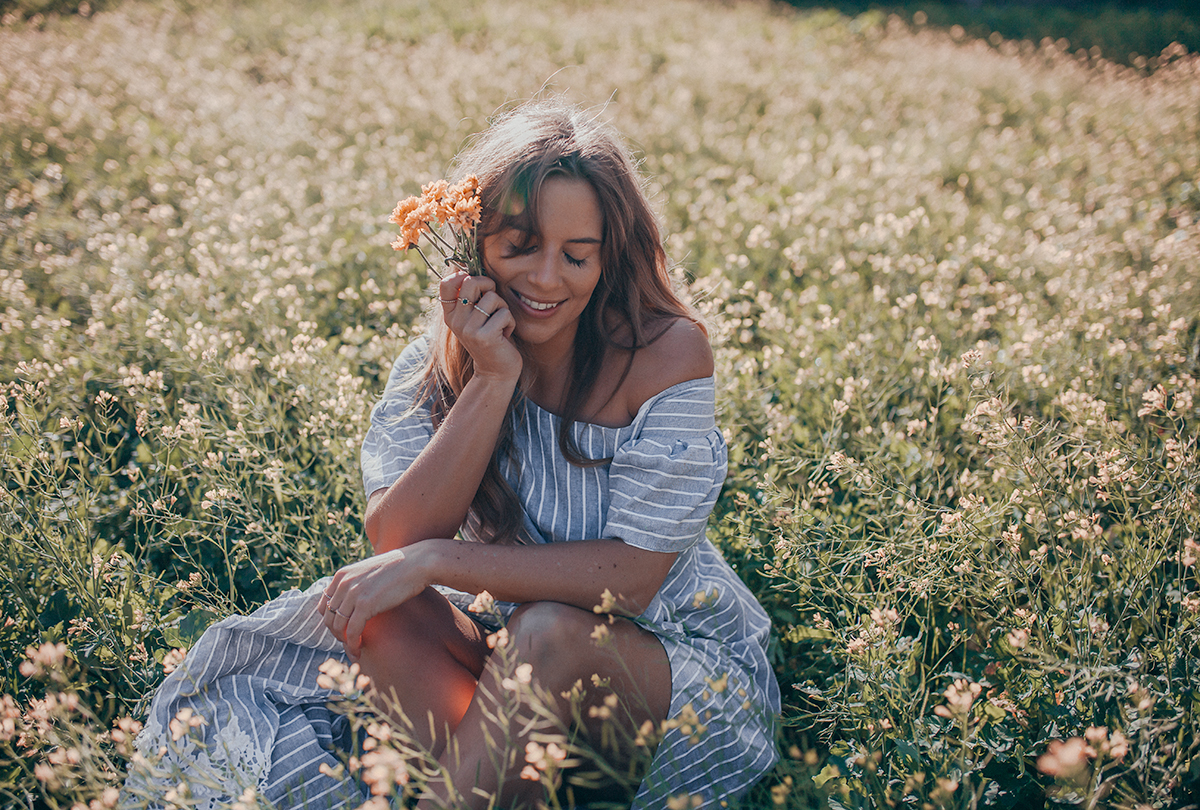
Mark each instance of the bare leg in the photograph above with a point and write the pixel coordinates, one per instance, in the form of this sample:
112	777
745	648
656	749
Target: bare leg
425	657
556	641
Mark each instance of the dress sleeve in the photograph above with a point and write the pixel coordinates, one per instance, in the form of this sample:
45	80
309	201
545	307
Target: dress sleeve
399	430
664	481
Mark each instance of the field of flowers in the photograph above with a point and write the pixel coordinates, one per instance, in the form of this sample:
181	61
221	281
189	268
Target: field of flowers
952	290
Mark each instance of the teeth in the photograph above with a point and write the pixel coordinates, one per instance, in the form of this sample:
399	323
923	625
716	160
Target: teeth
536	304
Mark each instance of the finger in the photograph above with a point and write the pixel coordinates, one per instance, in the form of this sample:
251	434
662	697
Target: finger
482	310
339	626
448	295
476	312
326	599
491	302
501	322
351	642
330	595
474	288
355	625
508	324
330	618
336	617
448	290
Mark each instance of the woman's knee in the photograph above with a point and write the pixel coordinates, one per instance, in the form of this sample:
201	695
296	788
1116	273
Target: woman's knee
551	624
399	626
424	625
557	641
563	646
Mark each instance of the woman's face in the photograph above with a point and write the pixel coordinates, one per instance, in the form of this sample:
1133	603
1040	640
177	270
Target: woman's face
547	279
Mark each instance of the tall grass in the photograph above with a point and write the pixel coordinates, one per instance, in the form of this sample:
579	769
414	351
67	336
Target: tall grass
952	293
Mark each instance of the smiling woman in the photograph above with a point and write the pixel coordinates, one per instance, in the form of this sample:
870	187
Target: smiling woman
547	278
557	417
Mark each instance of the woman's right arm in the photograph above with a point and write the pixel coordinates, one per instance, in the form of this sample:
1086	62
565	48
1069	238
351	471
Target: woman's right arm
431	497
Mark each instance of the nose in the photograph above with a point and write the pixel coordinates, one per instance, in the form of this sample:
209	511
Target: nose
545	272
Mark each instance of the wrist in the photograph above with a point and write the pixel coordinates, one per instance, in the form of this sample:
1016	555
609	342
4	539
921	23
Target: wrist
497	385
428	558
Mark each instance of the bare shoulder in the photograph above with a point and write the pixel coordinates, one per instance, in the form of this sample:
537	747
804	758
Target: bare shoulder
679	354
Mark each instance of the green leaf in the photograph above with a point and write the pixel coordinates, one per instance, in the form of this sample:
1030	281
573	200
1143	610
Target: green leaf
193	625
827	773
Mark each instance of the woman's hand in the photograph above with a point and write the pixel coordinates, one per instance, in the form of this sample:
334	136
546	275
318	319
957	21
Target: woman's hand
479	317
361	591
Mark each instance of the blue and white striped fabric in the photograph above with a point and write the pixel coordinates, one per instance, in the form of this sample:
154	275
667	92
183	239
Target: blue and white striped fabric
666	472
263	723
253	678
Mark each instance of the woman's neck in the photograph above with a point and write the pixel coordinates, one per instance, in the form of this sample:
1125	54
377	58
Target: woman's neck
548	375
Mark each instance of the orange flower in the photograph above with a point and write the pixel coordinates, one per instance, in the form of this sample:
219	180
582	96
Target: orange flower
457	206
403	209
435	190
410	230
1066	760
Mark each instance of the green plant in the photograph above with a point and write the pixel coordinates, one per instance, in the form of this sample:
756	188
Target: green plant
949	286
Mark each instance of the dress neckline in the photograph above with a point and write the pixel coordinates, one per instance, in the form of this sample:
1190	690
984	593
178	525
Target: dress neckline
711	378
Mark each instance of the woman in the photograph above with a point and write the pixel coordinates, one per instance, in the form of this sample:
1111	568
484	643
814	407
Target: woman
558	415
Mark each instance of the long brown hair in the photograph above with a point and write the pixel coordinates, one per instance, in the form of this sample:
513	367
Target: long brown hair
634	298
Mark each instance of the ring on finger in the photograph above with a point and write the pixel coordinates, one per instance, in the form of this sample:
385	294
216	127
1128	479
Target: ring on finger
486	314
448	300
465	301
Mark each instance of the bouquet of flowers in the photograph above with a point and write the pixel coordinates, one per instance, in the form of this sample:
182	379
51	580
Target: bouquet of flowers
447	215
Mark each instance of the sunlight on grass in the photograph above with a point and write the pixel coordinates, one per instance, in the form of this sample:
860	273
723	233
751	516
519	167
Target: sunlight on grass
951	289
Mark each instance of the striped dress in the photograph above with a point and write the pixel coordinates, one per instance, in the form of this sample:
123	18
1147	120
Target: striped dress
255	676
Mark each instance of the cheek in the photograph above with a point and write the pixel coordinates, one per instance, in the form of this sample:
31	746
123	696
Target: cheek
493	259
589	284
499	269
489	260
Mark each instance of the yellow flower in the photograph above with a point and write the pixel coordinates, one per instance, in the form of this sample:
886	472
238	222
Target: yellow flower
601	635
718	684
483	603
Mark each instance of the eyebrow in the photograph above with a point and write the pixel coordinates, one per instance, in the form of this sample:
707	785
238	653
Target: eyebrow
582	240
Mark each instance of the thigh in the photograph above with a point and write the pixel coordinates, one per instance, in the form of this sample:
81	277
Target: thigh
424	659
638	673
625	677
566	644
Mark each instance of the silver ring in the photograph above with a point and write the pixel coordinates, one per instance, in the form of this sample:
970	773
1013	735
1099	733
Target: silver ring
486	314
466	301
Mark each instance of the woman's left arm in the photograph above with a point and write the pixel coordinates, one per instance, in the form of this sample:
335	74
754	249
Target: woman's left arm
573	573
576	572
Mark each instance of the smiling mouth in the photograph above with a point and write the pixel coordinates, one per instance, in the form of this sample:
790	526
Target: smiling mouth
536	305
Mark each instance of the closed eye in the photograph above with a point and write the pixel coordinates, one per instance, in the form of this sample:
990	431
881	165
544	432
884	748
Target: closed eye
571	260
512	251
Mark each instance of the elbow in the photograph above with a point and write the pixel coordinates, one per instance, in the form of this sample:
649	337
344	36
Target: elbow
378	530
651	569
388	528
373	529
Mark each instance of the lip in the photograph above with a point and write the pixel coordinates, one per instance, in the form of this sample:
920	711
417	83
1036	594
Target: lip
525	304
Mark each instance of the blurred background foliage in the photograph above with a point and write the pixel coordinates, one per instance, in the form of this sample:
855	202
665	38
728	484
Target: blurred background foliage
1118	30
950	284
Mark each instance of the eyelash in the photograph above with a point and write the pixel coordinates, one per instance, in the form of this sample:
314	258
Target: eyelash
514	251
